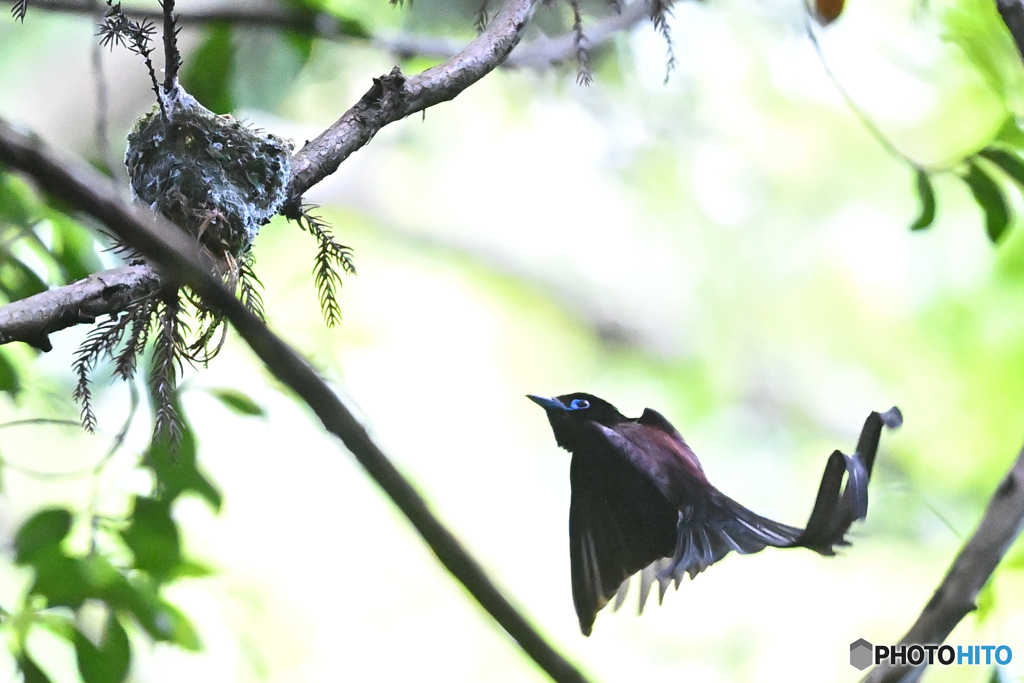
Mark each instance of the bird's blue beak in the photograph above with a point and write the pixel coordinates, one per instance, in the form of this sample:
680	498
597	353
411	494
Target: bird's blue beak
547	403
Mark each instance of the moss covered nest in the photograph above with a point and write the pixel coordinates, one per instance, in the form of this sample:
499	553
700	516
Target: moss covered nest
211	175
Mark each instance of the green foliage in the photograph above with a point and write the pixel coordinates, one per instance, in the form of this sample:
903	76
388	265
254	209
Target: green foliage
41	534
30	671
129	584
10	380
152	536
927	195
109	662
991	200
42	232
208	73
238	402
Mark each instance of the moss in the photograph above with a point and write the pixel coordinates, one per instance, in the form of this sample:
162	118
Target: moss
211	175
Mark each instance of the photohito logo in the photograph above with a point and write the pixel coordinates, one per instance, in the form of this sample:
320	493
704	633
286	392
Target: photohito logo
863	654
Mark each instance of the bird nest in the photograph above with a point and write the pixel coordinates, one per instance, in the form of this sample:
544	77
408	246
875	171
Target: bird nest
211	175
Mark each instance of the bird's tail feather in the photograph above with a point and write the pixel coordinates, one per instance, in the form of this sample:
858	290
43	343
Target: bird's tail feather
701	543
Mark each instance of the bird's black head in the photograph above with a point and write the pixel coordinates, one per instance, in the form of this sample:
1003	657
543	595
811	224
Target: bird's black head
570	412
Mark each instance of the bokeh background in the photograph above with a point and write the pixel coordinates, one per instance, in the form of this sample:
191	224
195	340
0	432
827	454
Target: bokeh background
731	247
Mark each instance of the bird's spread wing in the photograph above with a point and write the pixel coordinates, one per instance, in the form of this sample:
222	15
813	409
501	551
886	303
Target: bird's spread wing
619	523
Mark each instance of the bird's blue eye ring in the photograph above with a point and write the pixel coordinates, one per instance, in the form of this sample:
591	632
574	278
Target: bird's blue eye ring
579	404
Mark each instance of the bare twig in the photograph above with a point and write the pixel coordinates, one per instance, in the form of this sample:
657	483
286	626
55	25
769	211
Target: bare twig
176	254
32	320
956	595
539	53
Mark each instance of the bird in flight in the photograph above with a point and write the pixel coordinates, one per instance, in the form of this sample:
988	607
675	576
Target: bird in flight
641	502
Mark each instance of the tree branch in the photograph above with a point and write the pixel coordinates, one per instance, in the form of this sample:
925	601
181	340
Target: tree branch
175	253
539	53
321	24
393	97
32	320
956	595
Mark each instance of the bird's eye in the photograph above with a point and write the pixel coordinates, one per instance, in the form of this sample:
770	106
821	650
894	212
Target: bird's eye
579	404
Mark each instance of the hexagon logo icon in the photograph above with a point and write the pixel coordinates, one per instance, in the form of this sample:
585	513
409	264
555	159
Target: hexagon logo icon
861	652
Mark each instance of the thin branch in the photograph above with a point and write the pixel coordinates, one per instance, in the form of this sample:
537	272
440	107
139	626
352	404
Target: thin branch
393	97
172	58
32	320
956	596
870	125
540	53
175	253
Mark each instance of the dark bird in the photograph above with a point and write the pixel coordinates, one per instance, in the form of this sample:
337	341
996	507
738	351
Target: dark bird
641	502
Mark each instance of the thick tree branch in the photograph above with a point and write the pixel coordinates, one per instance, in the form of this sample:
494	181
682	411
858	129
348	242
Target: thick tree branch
394	97
1012	12
175	253
956	595
32	320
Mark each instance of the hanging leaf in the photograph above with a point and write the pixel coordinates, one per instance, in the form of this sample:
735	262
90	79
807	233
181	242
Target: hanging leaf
30	670
73	248
990	198
18	281
18	204
153	538
1010	163
927	195
238	402
109	662
10	382
175	468
44	530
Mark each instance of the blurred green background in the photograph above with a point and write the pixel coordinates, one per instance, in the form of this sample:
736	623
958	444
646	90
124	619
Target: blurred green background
731	248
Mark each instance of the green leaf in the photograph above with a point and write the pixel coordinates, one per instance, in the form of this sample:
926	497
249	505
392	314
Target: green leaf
109	662
43	531
18	281
927	195
30	671
238	402
190	569
10	382
176	471
138	596
153	538
990	198
181	631
60	579
1010	163
73	248
18	204
207	76
60	625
